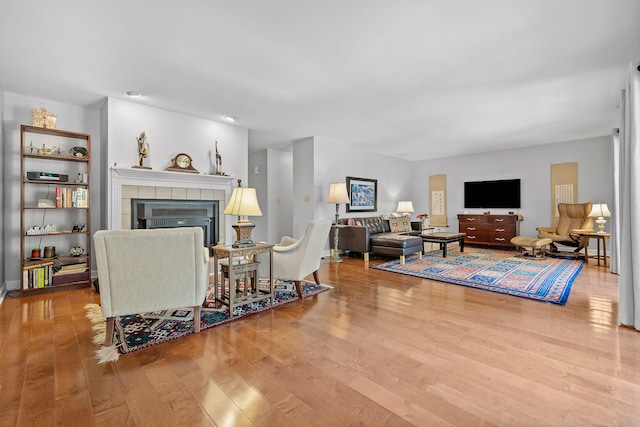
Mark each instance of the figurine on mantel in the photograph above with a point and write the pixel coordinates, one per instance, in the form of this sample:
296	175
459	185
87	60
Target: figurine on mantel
216	162
143	151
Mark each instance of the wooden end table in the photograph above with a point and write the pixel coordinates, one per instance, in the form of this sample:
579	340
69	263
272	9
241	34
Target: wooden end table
599	237
239	267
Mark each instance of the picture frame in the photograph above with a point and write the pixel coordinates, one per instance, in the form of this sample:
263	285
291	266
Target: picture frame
363	194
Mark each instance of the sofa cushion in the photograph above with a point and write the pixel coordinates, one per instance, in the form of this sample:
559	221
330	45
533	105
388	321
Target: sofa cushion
374	224
395	240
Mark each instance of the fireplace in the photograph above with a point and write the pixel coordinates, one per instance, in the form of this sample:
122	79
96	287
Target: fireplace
127	184
169	213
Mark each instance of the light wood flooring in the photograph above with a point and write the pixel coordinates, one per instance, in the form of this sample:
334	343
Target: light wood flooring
380	349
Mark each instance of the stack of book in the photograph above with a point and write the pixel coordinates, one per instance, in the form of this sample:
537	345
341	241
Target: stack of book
71	273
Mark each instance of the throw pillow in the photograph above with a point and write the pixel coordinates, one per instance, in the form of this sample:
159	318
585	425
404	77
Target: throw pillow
351	221
406	223
395	224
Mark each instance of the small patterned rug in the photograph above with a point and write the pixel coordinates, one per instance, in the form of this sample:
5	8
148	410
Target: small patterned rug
139	331
504	272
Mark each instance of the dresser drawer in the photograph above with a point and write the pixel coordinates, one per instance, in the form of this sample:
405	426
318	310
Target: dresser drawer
501	219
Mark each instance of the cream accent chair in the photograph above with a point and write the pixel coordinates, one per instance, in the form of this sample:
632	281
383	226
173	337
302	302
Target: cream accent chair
148	270
573	218
295	259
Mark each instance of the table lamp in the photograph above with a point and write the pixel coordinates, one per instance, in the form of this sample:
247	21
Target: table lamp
337	194
600	210
405	207
243	203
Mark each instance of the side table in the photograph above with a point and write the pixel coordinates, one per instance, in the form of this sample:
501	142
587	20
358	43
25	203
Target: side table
240	269
599	237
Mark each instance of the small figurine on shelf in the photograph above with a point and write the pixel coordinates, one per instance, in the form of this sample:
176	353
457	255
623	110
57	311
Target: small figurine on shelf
216	161
143	151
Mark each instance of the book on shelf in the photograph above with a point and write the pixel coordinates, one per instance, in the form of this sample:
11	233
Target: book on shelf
73	267
37	275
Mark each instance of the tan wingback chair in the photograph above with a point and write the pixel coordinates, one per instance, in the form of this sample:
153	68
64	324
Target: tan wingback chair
573	218
295	259
149	270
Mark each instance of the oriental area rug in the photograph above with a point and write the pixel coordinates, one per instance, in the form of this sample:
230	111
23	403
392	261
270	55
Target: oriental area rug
548	279
139	331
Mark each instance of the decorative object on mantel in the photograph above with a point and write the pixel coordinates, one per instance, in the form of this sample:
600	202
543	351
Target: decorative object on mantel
216	162
337	194
143	151
243	203
42	118
182	163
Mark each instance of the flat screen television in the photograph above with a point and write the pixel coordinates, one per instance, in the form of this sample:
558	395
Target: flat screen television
504	193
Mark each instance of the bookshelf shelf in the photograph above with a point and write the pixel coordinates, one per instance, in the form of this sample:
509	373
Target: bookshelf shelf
60	198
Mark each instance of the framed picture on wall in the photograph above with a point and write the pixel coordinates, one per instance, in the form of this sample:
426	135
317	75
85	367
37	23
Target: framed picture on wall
363	194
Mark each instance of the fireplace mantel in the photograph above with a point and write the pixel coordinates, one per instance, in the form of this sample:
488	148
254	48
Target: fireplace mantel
120	177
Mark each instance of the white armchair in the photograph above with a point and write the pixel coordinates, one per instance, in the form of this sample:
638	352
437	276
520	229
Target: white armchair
148	270
295	259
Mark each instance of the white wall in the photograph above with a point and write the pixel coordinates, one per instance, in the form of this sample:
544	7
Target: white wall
262	185
305	197
274	185
334	161
169	133
3	179
17	111
532	165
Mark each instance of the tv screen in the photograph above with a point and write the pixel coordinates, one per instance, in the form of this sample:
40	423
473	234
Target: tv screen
503	193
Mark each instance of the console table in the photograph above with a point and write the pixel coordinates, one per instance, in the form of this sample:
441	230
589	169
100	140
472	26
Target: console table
240	269
489	229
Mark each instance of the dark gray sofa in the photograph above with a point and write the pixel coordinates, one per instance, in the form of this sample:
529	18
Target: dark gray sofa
375	236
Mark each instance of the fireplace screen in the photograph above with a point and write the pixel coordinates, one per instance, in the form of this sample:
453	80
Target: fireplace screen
157	213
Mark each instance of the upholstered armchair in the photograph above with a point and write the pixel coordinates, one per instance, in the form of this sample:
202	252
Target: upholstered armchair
573	218
295	259
148	270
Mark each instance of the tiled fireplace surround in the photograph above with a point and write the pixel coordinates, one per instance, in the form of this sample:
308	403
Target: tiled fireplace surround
126	184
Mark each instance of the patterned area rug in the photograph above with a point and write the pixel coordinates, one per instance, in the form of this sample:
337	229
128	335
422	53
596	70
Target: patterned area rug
139	331
547	279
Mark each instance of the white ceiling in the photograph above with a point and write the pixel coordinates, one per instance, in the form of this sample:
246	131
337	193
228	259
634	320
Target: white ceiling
412	79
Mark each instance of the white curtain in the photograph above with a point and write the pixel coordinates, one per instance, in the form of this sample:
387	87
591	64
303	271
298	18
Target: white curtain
615	208
627	180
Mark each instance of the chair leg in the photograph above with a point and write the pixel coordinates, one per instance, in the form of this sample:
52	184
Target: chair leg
108	338
316	277
196	318
298	288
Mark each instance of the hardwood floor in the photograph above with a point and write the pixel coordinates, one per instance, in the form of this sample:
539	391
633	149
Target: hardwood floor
380	349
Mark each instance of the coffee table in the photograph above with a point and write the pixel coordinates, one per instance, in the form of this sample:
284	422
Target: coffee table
443	239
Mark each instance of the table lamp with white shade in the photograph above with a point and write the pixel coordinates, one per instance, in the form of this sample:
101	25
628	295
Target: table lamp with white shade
599	211
405	207
243	203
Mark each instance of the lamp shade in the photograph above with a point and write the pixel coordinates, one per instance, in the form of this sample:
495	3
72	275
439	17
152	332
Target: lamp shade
405	206
338	193
599	210
244	202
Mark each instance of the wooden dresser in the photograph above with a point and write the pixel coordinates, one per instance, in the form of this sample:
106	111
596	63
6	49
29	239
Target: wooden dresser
489	229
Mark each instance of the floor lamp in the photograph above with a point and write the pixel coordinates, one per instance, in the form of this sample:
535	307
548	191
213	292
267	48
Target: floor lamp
337	194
